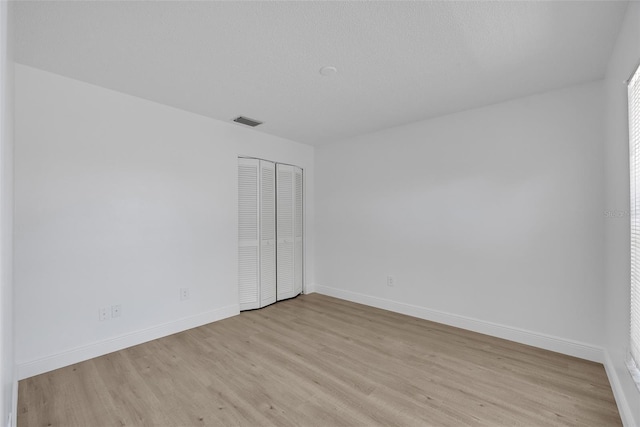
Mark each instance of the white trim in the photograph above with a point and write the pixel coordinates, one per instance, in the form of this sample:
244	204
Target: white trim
618	392
309	288
634	370
523	336
79	354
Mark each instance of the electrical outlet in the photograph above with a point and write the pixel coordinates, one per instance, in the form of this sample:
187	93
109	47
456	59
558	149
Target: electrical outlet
391	281
103	314
184	294
116	310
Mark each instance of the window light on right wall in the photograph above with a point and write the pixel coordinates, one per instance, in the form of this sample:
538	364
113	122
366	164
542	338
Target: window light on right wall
633	92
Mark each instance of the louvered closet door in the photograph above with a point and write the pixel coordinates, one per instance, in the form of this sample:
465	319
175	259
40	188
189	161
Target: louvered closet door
267	233
248	233
289	258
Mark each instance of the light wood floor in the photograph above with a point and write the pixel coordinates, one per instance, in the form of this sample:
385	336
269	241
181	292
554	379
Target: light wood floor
320	361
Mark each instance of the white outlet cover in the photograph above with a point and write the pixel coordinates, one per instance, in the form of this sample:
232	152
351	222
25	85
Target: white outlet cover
102	314
116	310
184	294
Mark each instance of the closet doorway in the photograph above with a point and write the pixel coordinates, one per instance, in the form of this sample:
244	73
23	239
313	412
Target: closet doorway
270	232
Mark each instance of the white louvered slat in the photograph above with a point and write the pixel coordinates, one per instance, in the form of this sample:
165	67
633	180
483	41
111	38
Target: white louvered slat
268	274
268	233
285	202
248	232
634	163
285	270
248	276
298	227
285	231
268	199
298	202
247	202
297	266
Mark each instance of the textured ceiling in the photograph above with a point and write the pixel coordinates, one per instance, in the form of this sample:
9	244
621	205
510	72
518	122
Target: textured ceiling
397	62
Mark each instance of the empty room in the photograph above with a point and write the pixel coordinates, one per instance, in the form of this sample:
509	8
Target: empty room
319	213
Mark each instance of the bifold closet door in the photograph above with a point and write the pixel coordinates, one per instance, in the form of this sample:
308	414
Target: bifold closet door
289	231
248	233
256	233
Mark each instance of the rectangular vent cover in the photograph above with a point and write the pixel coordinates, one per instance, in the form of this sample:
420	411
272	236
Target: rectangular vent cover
247	121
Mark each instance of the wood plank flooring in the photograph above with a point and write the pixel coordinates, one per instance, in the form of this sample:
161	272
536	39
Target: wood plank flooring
321	361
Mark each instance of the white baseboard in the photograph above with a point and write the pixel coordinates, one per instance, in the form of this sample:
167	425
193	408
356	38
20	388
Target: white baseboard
618	392
535	339
79	354
309	288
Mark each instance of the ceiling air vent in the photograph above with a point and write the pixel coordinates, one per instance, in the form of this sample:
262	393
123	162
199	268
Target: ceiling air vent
247	121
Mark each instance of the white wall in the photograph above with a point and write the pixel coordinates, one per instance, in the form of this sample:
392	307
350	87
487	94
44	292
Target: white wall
617	266
489	219
7	367
119	200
